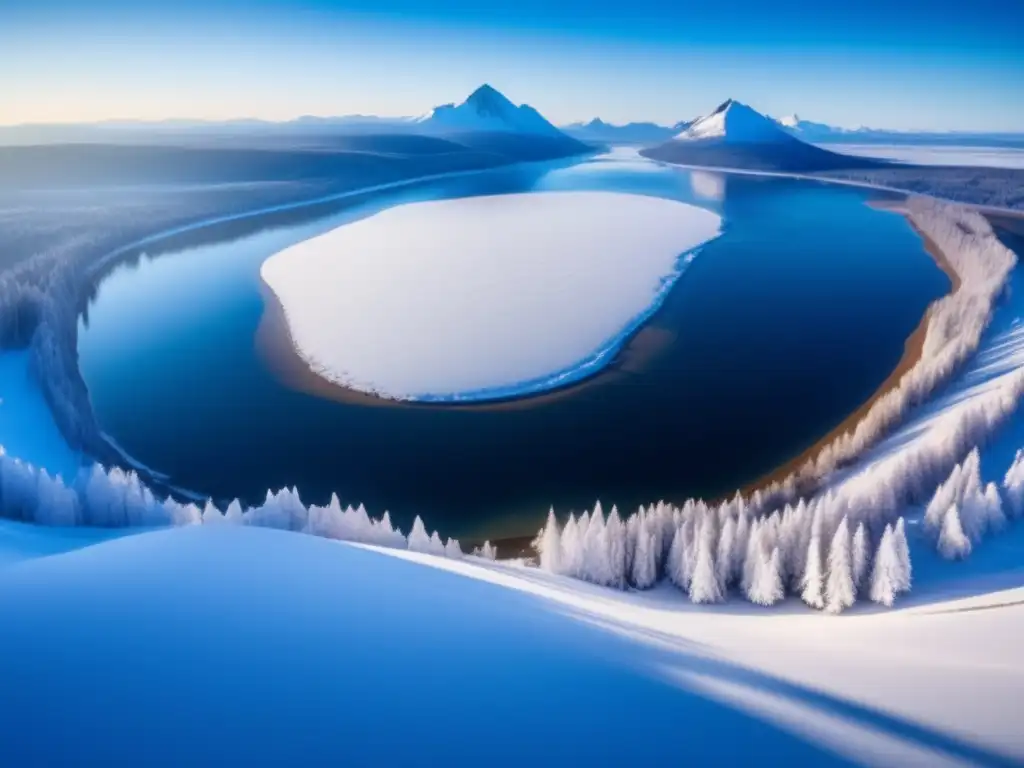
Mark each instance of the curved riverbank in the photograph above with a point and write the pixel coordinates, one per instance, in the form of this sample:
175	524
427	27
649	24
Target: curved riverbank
912	355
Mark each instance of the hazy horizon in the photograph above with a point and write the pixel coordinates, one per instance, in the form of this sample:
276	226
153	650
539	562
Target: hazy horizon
907	66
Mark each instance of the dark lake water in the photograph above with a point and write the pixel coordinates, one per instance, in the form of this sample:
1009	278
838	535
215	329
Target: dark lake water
778	330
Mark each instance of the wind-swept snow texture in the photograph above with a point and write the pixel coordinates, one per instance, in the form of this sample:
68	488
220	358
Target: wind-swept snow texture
486	297
241	646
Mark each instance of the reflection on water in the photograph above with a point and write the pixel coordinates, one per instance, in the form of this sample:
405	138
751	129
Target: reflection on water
783	326
708	185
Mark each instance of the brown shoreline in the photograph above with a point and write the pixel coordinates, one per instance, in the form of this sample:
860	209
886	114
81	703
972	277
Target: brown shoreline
277	348
912	351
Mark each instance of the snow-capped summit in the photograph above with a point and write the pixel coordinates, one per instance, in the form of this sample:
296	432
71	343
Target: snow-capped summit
487	109
736	136
735	123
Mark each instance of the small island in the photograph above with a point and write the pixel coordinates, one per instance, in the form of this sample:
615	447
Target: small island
484	298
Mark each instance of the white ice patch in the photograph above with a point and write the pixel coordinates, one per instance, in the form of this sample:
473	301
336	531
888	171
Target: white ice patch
486	297
923	154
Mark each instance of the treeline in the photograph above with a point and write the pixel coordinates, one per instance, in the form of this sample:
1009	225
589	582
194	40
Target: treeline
809	549
116	498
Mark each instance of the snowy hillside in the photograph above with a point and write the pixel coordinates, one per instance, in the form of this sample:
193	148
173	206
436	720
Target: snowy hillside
735	123
486	110
181	647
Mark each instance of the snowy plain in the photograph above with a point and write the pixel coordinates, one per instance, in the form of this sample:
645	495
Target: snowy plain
311	661
485	297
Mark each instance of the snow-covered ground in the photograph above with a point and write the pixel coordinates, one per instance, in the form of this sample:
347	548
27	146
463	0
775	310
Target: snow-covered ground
241	645
989	157
483	297
27	428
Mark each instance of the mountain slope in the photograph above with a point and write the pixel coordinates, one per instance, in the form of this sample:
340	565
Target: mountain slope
737	136
734	123
487	109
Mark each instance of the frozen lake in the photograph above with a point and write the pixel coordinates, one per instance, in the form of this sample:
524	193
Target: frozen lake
483	297
784	324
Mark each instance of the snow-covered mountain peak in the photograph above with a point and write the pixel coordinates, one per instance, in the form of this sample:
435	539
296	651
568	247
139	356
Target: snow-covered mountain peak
733	122
487	109
487	100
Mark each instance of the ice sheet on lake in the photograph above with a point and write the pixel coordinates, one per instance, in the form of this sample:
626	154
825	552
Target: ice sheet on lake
987	157
485	297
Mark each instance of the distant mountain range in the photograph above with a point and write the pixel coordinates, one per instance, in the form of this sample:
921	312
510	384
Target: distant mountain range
597	130
485	122
736	136
821	133
485	111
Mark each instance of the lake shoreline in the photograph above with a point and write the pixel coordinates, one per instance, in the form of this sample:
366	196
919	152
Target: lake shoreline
276	346
913	349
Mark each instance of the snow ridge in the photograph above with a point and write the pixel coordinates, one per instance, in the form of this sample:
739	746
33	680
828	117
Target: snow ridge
487	109
735	123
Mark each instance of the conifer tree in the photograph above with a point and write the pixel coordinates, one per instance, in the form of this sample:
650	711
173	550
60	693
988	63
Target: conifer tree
704	587
550	545
885	578
861	555
644	558
840	592
813	581
953	543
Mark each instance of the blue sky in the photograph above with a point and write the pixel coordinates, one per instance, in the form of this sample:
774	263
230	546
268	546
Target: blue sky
899	64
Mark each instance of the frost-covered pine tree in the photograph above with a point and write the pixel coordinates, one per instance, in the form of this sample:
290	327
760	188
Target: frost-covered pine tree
615	533
596	564
677	567
885	577
419	539
840	592
861	556
899	536
452	550
752	558
549	545
953	543
572	549
704	587
767	588
211	515
436	545
1013	484
813	582
724	560
233	514
487	551
739	548
644	557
